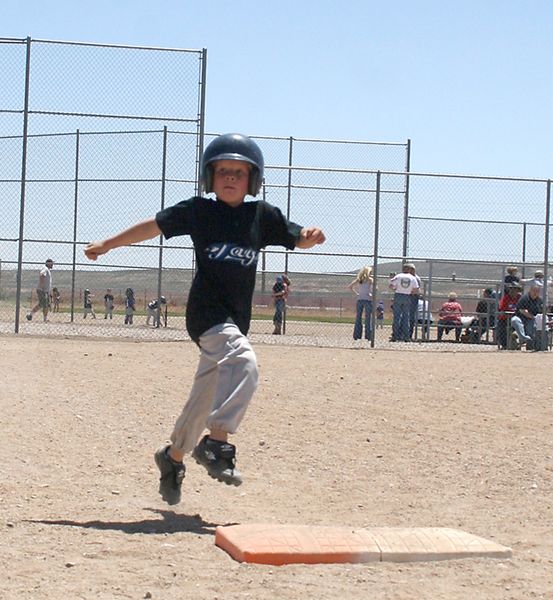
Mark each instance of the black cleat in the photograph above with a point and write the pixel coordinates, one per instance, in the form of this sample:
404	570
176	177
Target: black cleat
219	459
172	474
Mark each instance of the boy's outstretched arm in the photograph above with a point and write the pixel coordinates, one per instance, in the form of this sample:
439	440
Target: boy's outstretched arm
145	230
309	237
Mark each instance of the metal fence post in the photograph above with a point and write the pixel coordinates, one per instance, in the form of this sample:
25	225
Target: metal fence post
429	298
375	255
289	192
75	211
524	249
543	345
547	225
23	183
201	120
160	261
263	251
288	202
406	201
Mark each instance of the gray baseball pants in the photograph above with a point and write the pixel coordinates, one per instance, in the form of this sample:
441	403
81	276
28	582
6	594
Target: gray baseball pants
224	384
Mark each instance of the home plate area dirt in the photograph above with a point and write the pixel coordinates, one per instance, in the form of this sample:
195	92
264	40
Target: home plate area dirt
354	440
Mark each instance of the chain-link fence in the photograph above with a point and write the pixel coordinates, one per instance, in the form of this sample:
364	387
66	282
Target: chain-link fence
81	166
86	144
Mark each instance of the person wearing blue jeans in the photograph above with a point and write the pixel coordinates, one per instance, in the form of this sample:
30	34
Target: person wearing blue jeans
405	285
401	311
367	306
362	287
529	305
414	303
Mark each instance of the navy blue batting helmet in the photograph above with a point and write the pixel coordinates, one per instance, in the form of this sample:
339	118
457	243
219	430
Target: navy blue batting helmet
233	146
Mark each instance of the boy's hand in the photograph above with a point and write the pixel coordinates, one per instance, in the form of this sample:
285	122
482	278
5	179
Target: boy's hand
310	236
94	250
145	230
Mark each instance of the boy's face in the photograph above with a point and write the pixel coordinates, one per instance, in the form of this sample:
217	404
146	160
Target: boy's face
230	181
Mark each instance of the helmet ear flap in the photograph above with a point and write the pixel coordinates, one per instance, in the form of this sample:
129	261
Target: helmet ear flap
254	182
208	179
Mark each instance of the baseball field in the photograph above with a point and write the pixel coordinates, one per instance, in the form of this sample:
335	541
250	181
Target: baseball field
348	437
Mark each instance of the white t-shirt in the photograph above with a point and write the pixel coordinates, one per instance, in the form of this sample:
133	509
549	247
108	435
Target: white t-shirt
404	283
528	283
47	281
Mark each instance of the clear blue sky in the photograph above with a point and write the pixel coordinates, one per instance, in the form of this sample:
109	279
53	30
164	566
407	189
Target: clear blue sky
470	83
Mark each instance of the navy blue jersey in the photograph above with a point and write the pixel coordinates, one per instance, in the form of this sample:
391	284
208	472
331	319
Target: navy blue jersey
227	241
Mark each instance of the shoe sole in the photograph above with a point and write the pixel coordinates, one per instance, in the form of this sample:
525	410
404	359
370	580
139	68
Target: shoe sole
169	501
217	476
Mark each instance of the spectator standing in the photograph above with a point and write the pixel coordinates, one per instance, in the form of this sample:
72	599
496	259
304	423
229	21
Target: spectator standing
449	317
43	291
362	287
287	283
404	285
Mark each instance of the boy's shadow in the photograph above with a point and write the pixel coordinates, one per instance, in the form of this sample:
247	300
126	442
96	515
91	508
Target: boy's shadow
170	522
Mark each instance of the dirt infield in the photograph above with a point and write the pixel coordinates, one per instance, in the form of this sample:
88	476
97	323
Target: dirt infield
346	437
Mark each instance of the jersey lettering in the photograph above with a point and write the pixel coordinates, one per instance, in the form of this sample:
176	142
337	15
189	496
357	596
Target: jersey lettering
222	252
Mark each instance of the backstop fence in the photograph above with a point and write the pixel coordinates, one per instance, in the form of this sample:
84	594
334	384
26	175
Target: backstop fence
84	155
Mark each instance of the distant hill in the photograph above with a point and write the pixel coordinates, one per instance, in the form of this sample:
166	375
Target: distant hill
461	277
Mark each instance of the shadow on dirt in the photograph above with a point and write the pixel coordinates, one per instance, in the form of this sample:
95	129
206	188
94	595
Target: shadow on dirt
170	522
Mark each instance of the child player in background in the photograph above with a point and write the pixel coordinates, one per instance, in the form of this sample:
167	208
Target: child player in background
88	309
108	304
130	306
